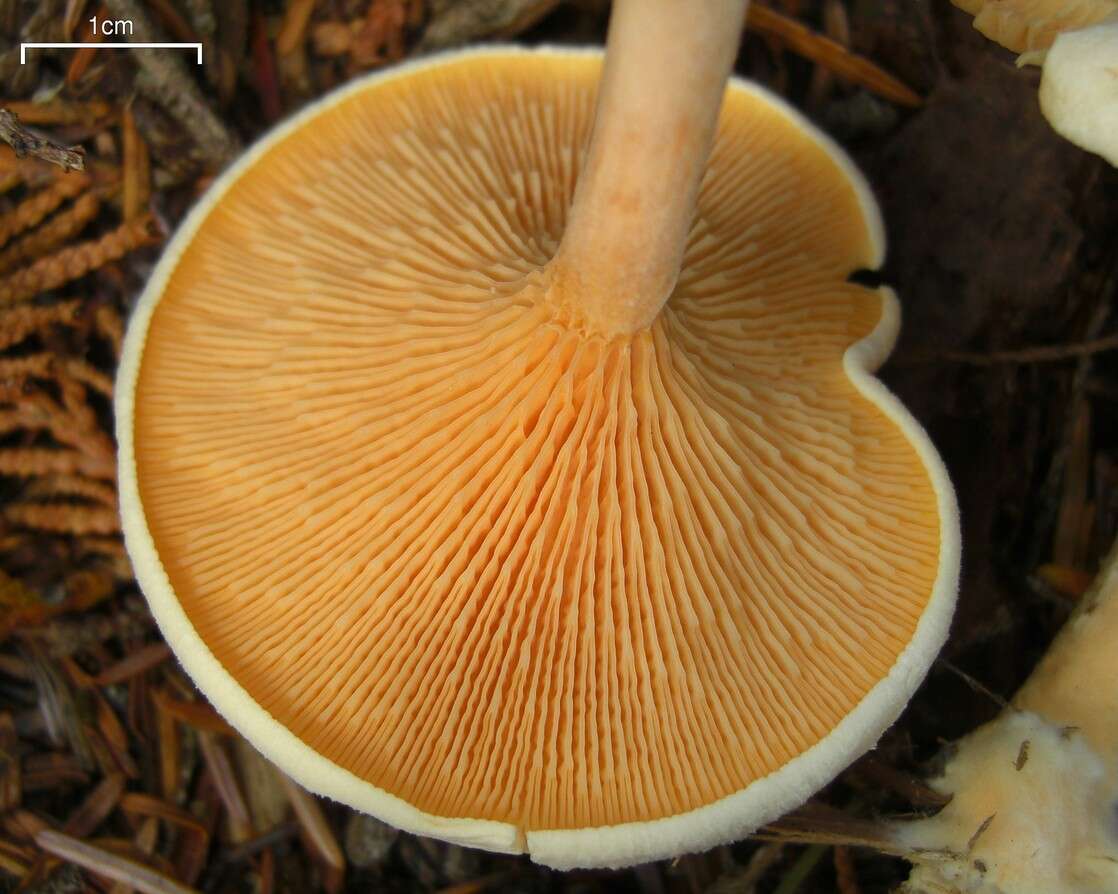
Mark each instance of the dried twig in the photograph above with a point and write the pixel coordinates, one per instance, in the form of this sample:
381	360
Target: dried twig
108	865
831	54
162	76
26	143
454	23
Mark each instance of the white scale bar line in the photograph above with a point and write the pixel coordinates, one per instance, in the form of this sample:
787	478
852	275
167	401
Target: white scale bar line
109	46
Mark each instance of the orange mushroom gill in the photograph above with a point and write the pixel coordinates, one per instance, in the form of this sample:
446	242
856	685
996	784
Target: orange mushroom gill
495	564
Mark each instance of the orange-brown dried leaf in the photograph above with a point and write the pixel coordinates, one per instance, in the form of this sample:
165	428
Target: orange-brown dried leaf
293	31
14	859
28	213
138	662
61	112
138	804
114	736
197	715
23	825
83	56
314	825
170	752
136	188
229	789
60	228
96	806
832	55
1071	582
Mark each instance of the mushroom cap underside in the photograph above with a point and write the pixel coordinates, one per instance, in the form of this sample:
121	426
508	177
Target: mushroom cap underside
447	558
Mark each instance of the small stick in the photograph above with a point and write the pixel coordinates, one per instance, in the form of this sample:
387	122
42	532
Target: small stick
163	77
293	32
136	188
108	865
197	715
26	143
57	112
833	55
974	684
225	782
96	807
83	56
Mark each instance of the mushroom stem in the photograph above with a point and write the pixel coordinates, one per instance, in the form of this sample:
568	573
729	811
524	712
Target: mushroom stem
666	67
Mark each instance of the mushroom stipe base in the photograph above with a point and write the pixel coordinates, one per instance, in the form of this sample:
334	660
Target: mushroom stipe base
607	600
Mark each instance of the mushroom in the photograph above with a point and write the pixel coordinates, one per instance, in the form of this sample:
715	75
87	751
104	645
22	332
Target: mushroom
1079	88
537	516
1034	793
1077	45
1029	27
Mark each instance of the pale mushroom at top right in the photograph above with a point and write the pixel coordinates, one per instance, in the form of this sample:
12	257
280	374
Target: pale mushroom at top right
1077	46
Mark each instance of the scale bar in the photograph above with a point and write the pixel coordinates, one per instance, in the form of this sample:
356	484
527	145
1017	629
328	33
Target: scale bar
109	46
